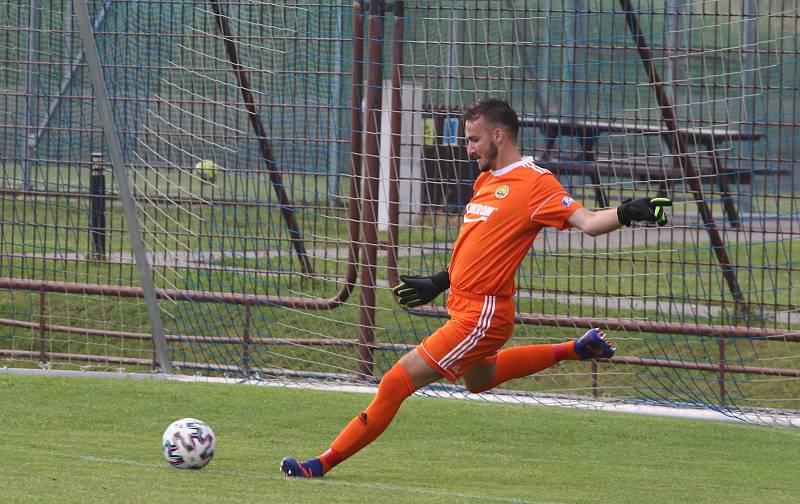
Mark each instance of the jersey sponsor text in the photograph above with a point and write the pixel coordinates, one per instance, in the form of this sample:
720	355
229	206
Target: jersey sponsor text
478	212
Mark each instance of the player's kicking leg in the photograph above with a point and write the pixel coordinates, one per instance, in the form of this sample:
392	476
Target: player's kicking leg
409	374
516	362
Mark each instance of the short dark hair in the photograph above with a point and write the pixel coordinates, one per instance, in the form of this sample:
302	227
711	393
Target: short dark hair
496	111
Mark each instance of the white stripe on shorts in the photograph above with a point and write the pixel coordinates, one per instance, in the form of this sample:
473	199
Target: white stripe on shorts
484	322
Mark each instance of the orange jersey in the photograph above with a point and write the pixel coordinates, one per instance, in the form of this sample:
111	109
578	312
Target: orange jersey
508	208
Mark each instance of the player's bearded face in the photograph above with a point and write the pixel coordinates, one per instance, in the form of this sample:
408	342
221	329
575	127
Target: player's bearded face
486	160
481	147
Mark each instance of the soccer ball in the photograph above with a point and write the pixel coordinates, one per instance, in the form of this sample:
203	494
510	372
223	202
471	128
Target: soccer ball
188	443
206	170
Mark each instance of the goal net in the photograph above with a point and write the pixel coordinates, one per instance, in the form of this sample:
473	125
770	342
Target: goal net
287	161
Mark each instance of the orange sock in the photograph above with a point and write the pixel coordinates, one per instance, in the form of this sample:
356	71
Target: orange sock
395	386
522	361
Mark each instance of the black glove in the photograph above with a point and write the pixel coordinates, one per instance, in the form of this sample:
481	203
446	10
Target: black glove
643	209
419	290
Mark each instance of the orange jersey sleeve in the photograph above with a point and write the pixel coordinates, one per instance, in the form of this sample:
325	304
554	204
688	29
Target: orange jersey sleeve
550	204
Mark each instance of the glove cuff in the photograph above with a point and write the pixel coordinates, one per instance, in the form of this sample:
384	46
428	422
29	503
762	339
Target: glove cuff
441	280
623	215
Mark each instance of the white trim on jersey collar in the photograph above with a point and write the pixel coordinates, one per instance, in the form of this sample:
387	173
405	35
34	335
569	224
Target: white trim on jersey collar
506	169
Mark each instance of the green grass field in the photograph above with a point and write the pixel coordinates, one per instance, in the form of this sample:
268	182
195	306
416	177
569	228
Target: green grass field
98	440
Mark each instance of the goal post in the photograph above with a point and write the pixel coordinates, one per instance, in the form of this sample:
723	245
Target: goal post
121	178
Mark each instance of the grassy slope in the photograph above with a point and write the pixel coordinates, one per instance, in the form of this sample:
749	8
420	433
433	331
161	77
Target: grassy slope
91	440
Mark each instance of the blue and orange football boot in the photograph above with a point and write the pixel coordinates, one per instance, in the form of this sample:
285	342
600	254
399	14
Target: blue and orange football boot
309	469
594	345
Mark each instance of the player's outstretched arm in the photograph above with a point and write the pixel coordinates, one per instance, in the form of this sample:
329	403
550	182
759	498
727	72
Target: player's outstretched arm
416	290
603	221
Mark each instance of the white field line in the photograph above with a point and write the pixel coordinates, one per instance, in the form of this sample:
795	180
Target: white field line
261	476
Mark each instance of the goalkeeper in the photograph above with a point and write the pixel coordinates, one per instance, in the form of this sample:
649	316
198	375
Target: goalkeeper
513	199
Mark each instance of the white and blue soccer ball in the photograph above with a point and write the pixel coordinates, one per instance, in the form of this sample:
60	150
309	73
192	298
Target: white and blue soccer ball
189	443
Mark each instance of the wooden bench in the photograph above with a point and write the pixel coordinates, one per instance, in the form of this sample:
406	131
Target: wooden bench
586	161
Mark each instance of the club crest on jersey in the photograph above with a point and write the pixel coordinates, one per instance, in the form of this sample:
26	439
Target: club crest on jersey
502	191
567	201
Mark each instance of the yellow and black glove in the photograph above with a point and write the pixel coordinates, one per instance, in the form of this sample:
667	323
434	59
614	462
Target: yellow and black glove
644	209
416	290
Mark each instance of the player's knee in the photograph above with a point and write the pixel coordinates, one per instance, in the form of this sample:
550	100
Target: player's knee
480	378
396	384
476	387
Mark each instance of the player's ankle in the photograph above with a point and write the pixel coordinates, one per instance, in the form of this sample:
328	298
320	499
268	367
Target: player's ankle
329	460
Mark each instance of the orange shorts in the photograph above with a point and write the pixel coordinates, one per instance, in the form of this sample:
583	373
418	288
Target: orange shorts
478	327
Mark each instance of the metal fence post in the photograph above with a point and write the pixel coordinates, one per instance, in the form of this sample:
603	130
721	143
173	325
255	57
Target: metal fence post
369	210
97	208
